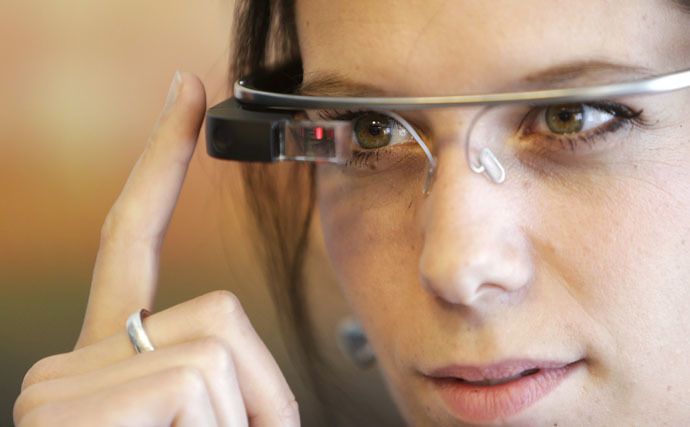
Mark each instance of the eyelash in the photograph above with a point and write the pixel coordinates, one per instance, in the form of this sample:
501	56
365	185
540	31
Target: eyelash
622	115
361	158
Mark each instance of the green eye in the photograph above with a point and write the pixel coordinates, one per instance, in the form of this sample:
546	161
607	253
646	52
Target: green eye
373	130
564	119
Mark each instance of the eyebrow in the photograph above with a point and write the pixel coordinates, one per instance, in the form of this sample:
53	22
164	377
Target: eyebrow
335	85
331	84
584	69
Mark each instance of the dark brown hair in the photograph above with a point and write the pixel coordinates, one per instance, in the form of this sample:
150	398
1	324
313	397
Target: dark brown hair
281	197
684	4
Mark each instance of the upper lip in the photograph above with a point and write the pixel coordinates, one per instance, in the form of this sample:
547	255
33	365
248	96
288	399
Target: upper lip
495	371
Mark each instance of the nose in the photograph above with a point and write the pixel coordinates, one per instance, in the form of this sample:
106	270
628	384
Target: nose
475	251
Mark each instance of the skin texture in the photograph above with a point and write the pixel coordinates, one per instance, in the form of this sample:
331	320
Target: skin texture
587	264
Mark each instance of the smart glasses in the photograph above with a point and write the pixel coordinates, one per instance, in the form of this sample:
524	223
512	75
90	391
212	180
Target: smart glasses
262	124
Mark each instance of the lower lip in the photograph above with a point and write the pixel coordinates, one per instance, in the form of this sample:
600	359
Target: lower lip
473	403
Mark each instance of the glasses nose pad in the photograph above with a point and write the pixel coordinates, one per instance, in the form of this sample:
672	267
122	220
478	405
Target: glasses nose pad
488	163
490	166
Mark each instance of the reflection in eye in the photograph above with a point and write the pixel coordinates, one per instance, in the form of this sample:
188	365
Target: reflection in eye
565	119
572	124
373	130
375	136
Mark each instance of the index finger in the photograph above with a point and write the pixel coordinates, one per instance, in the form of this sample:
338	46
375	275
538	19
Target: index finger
126	270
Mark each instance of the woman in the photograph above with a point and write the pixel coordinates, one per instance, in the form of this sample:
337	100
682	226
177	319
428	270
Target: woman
558	297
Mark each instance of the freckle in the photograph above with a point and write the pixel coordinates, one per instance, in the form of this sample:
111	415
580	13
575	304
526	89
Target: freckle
635	166
668	388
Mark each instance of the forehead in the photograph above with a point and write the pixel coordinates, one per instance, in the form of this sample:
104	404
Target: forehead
436	47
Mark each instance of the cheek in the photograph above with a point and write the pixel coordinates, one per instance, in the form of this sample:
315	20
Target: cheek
374	245
623	252
631	239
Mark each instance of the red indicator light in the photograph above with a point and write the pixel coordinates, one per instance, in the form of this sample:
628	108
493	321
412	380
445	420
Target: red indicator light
318	133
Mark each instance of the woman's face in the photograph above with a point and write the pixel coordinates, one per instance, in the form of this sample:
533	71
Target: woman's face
577	266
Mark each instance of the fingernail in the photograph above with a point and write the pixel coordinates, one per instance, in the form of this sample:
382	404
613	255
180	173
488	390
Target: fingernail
174	89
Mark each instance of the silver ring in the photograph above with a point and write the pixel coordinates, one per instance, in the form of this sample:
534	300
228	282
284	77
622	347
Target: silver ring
137	334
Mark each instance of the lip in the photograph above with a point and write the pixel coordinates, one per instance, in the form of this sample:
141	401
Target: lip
473	402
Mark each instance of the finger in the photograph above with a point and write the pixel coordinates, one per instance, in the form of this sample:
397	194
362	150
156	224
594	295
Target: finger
125	274
173	397
267	396
210	357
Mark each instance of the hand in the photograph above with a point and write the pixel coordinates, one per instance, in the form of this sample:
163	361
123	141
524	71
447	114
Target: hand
209	367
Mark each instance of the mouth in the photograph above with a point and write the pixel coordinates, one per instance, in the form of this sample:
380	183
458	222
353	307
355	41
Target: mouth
498	391
499	381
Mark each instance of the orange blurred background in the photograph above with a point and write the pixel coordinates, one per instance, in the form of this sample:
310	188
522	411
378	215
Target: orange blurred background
81	85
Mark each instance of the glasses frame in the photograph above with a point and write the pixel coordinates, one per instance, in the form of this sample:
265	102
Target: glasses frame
247	93
248	126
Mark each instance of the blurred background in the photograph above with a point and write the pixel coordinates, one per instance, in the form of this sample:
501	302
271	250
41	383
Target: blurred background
81	85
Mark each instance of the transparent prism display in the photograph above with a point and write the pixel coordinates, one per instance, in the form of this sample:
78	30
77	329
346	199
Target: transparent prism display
316	141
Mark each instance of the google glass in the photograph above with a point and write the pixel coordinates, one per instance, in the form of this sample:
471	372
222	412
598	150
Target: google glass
263	122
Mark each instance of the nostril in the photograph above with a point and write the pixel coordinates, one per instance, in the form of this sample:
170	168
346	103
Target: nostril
490	273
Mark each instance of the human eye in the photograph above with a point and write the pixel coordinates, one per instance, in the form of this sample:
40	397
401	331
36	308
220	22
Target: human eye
574	127
378	139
